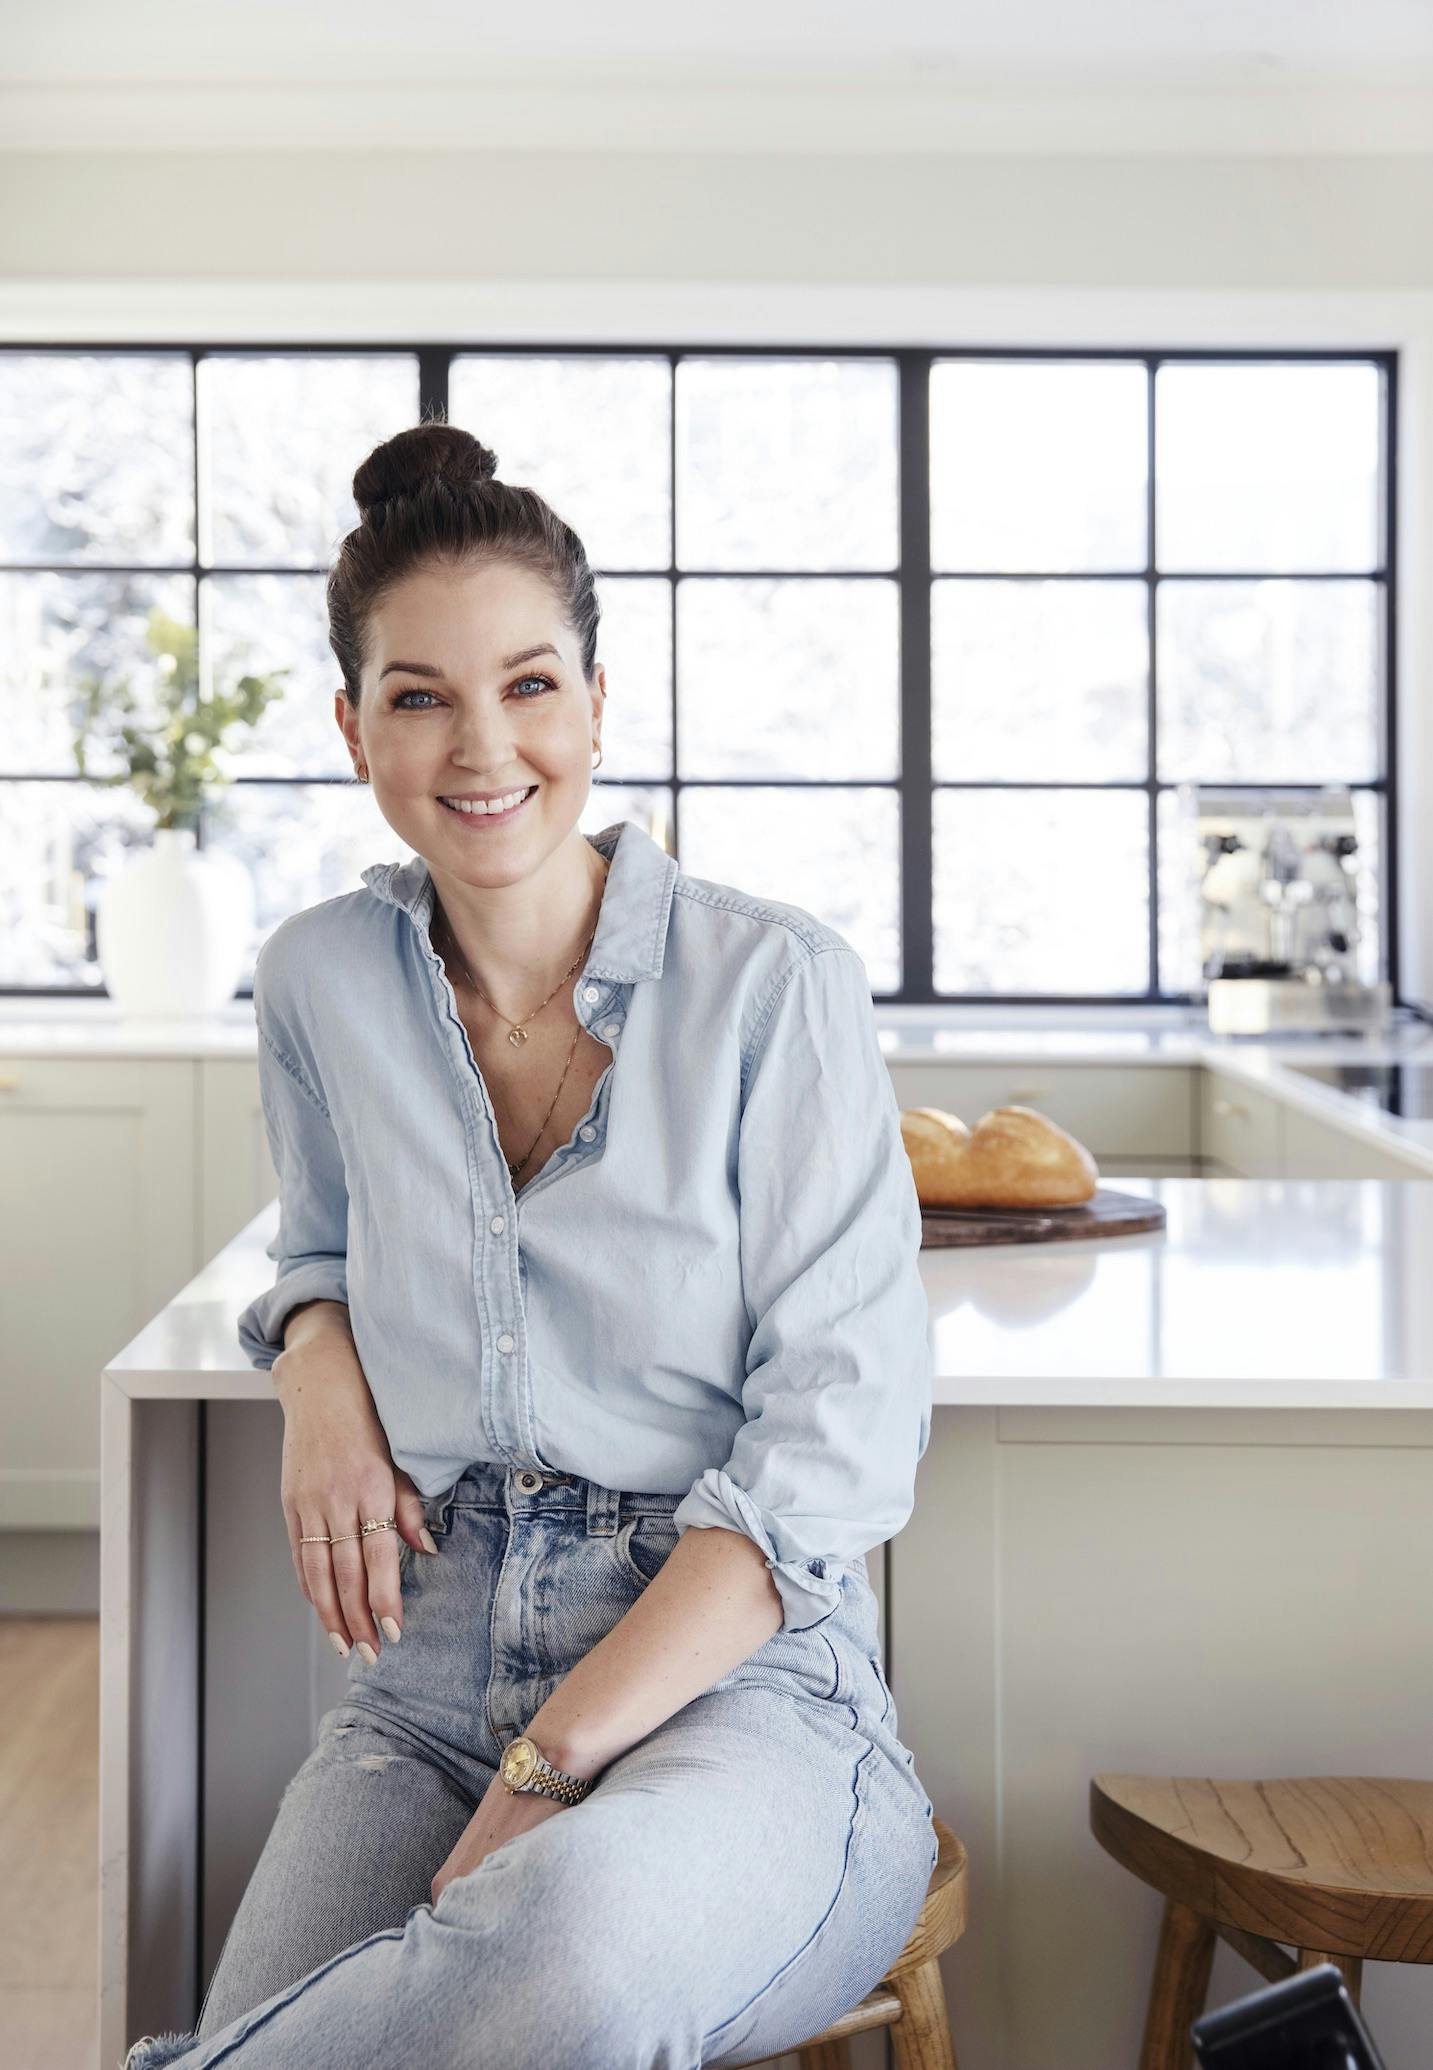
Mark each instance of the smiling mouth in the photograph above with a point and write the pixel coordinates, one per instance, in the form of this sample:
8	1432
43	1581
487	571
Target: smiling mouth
480	813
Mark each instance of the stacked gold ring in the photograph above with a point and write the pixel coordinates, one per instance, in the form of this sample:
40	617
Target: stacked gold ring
373	1524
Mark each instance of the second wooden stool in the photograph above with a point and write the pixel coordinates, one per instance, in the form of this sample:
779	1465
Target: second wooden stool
1338	1867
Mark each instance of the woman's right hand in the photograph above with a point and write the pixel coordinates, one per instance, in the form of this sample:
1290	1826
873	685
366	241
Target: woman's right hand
338	1471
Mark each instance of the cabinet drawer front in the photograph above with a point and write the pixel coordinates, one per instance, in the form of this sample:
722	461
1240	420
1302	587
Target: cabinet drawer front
1143	1111
1241	1127
1315	1149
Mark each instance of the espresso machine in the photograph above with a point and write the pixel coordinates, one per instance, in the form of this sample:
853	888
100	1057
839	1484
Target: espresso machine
1285	895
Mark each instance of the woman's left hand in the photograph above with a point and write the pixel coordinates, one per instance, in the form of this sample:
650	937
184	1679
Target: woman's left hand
502	1814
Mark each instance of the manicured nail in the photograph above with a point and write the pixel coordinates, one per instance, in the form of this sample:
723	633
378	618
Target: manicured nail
338	1645
367	1652
426	1536
390	1628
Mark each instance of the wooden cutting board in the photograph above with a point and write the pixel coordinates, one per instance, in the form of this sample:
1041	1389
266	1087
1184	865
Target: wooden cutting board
1107	1213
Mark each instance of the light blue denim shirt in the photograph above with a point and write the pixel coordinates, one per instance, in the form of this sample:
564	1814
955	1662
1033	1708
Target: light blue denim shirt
712	1286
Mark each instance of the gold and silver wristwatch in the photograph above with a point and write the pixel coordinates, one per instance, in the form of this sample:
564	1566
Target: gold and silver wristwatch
523	1767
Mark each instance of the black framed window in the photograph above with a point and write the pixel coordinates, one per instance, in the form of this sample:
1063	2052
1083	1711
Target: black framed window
923	641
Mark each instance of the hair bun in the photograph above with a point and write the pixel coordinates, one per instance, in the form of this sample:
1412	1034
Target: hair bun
417	462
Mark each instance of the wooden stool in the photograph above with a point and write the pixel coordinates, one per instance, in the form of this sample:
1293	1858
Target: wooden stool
910	1998
1339	1867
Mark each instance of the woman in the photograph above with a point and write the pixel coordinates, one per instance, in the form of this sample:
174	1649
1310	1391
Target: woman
618	1303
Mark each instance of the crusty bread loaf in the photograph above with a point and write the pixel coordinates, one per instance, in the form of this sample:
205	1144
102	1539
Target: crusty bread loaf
1014	1157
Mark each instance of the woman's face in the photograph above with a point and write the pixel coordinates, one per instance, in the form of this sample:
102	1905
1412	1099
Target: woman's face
473	686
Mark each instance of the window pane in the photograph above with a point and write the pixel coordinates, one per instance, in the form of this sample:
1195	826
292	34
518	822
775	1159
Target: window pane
1264	682
281	438
1038	465
97	454
787	463
1039	680
793	678
648	806
58	631
253	624
832	852
1041	891
634	646
592	436
1269	467
61	841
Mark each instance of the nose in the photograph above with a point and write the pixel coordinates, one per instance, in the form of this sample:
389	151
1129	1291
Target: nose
481	744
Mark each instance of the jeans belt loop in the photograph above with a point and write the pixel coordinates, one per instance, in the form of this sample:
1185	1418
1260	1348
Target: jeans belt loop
603	1505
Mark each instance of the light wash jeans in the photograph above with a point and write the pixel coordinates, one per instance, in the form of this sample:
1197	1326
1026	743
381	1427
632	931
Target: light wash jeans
734	1881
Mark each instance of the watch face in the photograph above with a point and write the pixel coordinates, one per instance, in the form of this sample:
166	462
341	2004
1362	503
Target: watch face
518	1762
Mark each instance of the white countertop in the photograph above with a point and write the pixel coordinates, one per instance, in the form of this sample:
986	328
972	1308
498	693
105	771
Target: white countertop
1307	1293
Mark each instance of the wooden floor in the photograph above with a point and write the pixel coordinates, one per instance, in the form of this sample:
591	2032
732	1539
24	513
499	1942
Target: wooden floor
49	1842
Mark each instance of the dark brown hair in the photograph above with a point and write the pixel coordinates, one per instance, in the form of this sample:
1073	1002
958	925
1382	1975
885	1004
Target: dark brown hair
429	495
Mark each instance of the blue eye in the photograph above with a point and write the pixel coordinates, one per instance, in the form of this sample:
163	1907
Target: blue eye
399	702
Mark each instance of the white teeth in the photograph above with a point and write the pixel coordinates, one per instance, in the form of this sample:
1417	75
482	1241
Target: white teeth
494	805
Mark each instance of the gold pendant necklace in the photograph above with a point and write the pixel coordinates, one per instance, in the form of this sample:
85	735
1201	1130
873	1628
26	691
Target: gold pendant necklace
517	1031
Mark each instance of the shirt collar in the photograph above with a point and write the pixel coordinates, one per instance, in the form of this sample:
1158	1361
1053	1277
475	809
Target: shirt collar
631	938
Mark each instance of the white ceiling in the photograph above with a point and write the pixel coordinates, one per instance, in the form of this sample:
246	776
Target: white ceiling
321	41
1098	77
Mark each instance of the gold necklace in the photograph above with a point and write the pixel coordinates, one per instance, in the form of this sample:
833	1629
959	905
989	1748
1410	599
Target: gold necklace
517	1031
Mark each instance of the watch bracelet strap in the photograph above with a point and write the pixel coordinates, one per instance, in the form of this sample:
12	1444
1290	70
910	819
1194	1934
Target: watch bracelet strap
547	1781
567	1789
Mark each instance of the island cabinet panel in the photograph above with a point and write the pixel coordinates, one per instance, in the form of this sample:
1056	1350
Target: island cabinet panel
97	1210
1204	1593
1145	1111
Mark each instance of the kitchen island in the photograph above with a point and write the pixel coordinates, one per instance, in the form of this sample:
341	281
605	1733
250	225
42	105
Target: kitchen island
1173	1517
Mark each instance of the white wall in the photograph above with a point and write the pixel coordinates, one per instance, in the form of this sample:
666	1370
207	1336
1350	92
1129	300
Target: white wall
543	213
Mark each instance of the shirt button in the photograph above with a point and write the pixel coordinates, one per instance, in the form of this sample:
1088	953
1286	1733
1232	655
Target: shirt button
590	993
587	1133
505	1342
611	1027
498	1224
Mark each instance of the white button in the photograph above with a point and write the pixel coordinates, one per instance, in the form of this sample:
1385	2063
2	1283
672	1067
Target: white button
587	1133
505	1342
590	992
498	1224
611	1027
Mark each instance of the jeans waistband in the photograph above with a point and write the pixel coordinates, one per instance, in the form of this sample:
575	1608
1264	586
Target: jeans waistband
486	1485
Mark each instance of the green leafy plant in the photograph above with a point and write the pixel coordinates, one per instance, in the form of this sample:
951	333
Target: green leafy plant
169	755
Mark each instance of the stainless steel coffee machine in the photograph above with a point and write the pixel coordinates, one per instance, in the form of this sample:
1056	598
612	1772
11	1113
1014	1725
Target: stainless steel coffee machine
1284	906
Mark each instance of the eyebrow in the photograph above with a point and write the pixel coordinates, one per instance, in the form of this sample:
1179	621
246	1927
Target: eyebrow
424	668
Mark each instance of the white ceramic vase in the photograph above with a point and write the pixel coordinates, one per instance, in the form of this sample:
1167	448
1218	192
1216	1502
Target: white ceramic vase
173	927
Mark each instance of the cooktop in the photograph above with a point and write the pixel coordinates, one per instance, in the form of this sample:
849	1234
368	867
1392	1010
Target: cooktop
1403	1089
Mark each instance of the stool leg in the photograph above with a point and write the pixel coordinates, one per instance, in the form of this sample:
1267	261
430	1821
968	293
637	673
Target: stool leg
920	2039
1351	1966
825	2055
1178	1990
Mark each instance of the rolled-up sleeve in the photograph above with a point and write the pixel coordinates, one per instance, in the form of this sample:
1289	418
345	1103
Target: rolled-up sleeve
311	1247
838	1381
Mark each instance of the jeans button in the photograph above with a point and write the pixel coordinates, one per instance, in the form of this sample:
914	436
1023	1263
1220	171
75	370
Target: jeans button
529	1482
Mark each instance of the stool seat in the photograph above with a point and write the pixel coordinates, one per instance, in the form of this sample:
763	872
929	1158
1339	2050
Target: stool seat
1343	1863
910	1998
1337	1867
